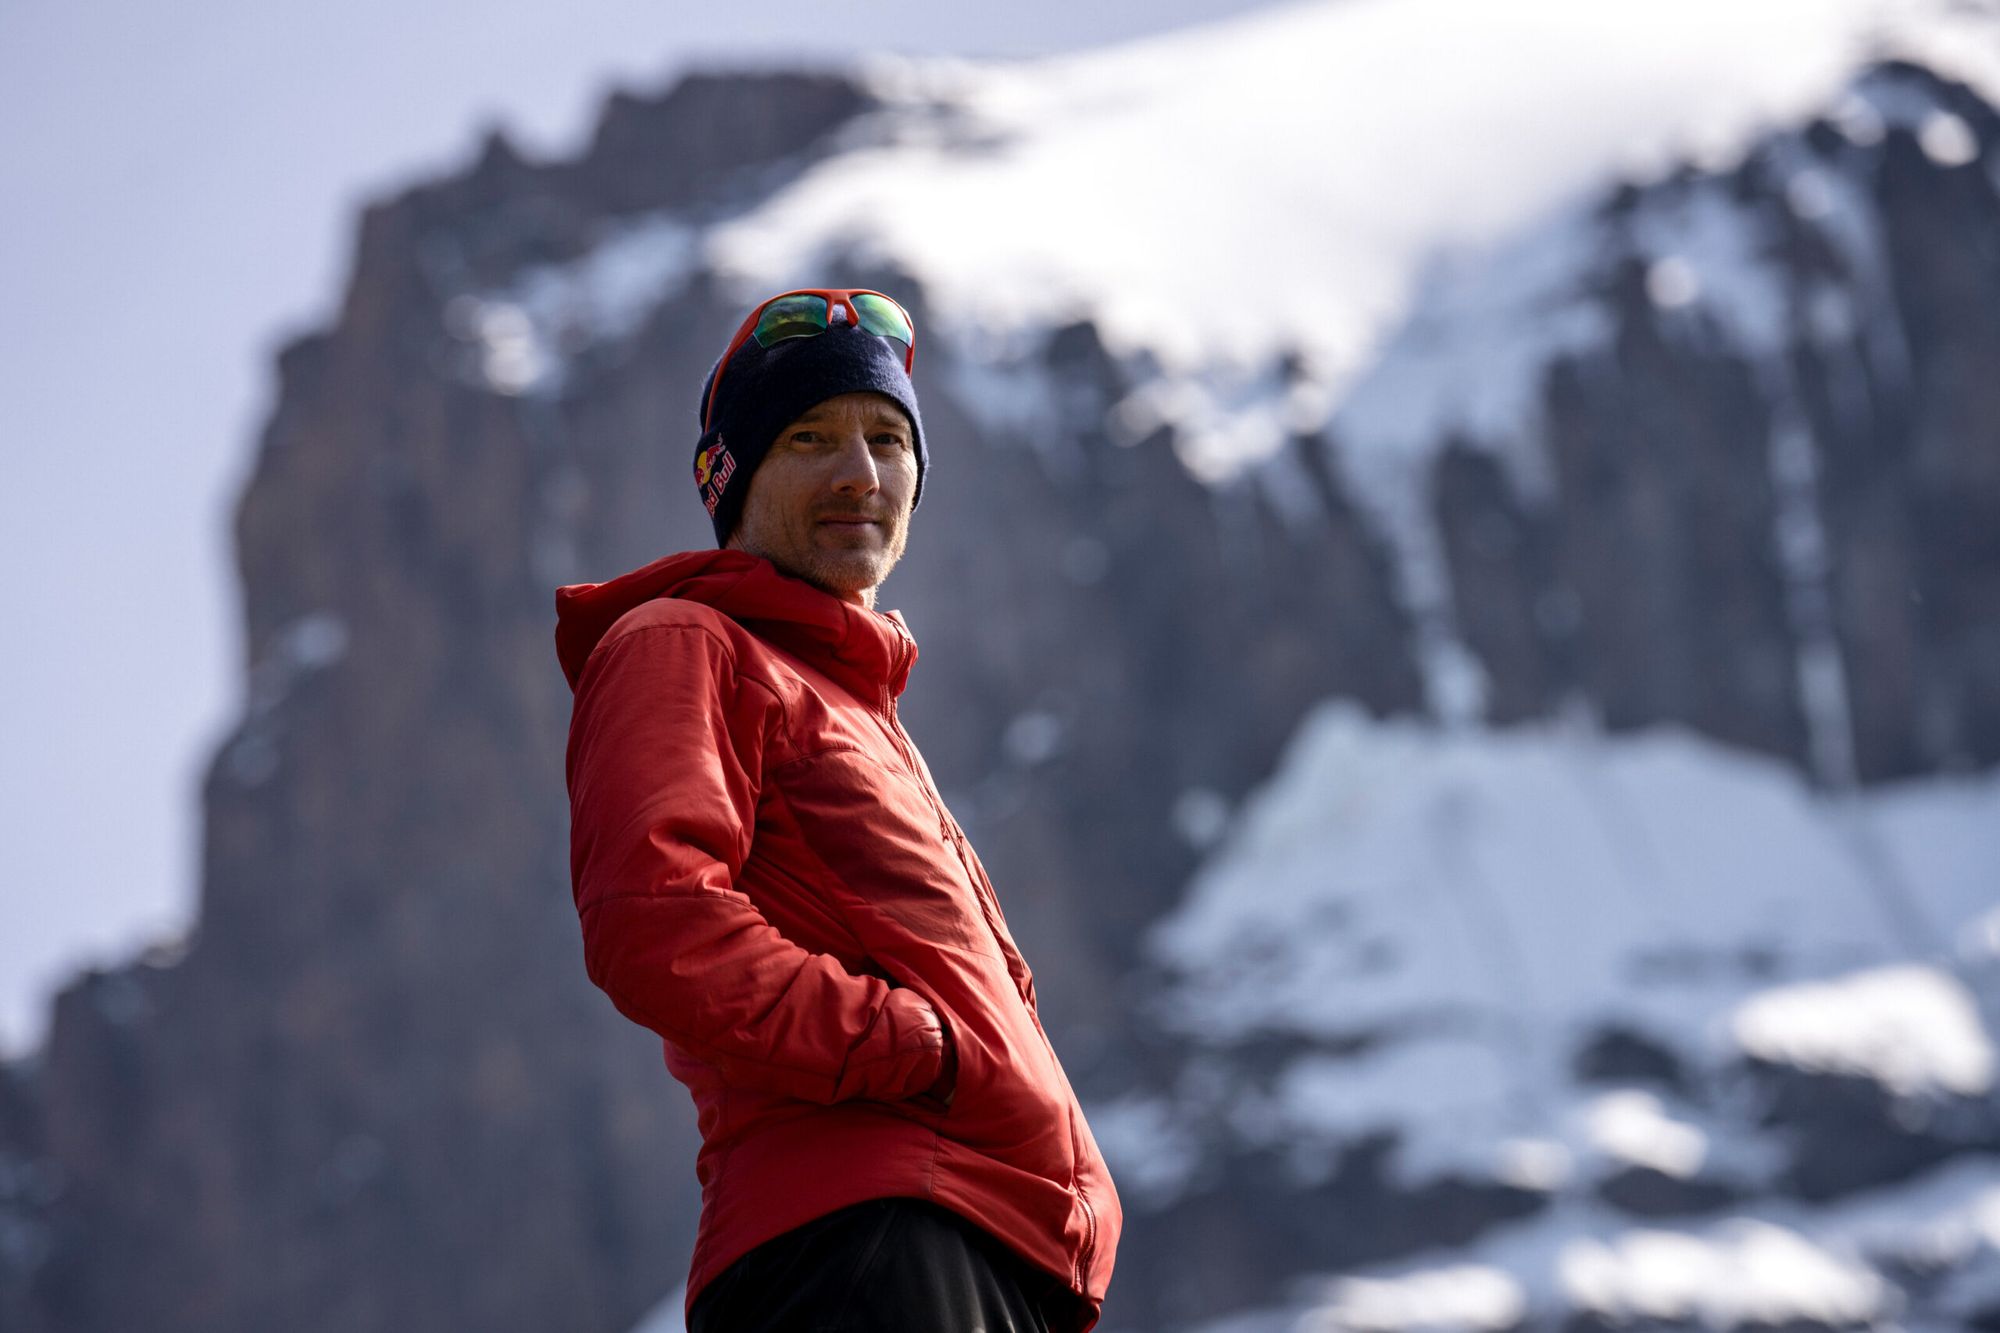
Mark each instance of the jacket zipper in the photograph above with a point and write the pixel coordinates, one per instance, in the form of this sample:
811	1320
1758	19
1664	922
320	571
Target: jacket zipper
990	909
903	744
910	762
947	829
1089	1240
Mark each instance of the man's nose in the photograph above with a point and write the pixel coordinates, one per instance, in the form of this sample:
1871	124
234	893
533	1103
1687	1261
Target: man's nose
855	472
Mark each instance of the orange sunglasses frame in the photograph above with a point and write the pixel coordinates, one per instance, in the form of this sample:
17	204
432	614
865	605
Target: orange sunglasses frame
841	296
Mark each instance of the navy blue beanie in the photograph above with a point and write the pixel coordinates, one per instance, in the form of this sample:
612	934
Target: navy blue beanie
768	388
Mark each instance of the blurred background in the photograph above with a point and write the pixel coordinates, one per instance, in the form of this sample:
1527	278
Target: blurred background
1459	592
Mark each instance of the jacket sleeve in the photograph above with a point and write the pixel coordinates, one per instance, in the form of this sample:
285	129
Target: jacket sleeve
664	766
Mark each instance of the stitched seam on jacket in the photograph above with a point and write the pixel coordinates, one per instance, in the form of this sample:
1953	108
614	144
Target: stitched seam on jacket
841	747
703	889
728	652
937	1151
862	753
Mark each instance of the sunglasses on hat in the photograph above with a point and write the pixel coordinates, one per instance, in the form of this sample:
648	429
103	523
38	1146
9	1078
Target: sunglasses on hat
809	310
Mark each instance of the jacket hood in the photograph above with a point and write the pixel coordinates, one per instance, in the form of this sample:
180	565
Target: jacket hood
867	651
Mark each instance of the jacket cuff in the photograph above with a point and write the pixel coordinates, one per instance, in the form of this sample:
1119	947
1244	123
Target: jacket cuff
936	1095
903	1052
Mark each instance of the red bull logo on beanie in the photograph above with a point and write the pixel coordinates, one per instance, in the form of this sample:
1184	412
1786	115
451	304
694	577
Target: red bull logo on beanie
713	467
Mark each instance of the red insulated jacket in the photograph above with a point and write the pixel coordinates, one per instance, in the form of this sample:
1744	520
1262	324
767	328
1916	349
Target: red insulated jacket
767	878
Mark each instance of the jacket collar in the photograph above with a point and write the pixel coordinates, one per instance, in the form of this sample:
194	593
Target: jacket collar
868	652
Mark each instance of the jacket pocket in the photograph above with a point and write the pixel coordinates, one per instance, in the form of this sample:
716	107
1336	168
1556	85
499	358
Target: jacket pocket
1009	1102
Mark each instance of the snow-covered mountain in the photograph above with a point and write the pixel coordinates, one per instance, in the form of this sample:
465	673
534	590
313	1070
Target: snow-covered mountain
1647	1002
1460	598
1386	223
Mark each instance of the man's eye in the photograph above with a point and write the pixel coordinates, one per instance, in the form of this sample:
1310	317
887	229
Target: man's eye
893	441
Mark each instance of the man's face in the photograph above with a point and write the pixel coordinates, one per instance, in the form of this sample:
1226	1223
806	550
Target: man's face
830	503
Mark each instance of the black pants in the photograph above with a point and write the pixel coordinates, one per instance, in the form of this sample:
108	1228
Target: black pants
883	1266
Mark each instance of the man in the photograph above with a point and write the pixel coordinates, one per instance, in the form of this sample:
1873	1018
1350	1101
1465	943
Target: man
767	878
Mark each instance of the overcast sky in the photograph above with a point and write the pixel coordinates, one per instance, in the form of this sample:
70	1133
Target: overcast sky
177	190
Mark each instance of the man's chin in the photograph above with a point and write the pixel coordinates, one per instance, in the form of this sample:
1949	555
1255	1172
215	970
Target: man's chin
848	579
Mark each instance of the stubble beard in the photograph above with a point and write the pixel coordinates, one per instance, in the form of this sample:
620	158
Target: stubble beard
837	572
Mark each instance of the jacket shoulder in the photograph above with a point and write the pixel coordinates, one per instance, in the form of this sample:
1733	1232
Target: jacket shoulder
675	612
746	657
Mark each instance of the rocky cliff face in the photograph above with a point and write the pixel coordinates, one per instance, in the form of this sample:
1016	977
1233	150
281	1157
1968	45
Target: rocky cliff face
1781	402
1760	497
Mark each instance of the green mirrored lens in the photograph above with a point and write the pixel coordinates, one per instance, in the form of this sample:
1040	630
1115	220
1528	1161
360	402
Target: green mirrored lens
790	317
881	315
